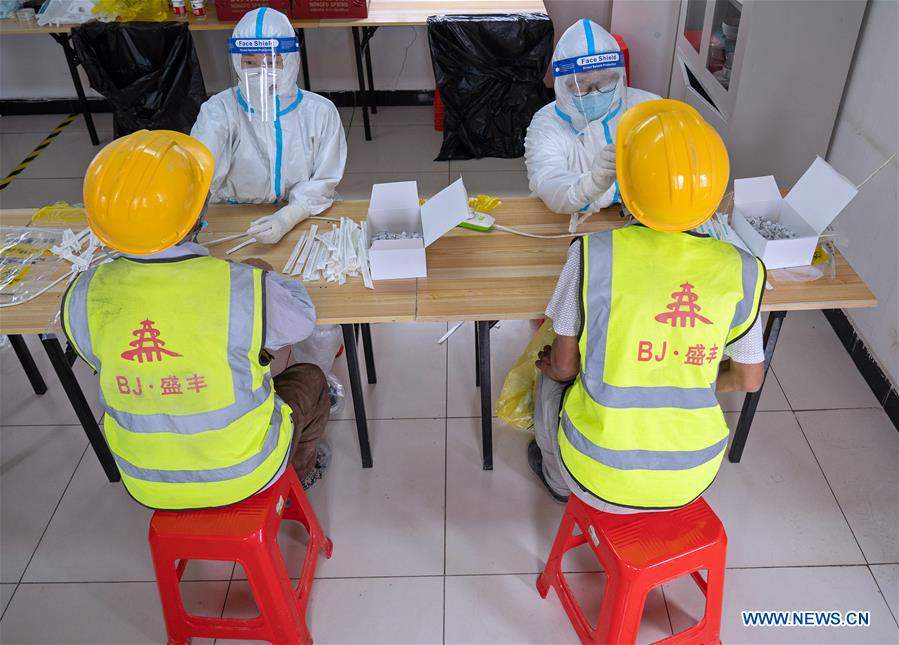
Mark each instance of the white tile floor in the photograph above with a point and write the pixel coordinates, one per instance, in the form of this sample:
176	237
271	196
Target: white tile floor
427	546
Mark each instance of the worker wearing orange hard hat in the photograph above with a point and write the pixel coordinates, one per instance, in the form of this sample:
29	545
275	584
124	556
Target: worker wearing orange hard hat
626	415
182	341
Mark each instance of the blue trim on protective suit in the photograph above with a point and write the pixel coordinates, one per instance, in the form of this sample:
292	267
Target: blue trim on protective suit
608	117
588	32
278	148
565	118
290	108
242	102
259	18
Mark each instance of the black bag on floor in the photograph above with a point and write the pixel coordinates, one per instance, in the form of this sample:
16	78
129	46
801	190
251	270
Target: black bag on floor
489	71
148	71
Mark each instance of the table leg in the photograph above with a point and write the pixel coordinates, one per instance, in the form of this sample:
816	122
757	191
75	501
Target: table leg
366	45
369	354
751	402
352	361
76	397
72	60
477	357
483	330
304	58
28	364
71	355
363	94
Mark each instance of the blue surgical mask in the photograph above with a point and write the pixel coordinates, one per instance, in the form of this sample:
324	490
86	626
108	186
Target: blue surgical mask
594	105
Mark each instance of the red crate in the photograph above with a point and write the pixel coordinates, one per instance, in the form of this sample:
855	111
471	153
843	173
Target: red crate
325	9
228	10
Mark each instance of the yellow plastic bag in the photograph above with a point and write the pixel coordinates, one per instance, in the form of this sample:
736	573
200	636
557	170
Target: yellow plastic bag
515	404
62	214
130	10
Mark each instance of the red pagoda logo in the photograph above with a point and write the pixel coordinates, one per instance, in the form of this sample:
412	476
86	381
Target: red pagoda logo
147	347
684	309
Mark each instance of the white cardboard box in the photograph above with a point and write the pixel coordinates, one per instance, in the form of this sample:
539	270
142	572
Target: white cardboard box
394	208
810	206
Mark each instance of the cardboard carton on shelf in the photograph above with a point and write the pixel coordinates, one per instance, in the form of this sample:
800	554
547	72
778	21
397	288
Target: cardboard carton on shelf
330	9
228	10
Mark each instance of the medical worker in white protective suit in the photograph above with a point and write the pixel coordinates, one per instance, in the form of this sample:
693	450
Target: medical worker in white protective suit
272	142
570	144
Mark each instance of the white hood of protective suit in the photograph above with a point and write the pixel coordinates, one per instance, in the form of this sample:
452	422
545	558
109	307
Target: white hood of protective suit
584	38
561	146
269	23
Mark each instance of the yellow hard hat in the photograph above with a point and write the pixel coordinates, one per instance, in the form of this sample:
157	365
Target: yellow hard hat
144	192
672	166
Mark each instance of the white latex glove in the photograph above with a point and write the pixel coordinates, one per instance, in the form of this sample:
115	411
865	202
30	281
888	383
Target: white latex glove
271	228
603	170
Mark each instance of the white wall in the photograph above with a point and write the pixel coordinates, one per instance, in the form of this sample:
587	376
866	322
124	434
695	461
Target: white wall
649	28
331	64
864	136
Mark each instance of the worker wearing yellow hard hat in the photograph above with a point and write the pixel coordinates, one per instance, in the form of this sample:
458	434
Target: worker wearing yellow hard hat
673	167
644	315
182	341
144	192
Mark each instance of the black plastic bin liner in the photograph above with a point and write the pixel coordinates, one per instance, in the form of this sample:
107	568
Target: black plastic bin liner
489	71
148	71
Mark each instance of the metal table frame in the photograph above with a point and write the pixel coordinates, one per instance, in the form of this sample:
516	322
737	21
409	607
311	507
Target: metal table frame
64	40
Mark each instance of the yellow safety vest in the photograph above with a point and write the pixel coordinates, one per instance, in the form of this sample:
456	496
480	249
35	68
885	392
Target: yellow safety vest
191	414
641	425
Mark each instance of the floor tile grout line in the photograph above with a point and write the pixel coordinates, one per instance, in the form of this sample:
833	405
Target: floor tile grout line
9	602
883	595
448	575
445	471
10	426
779	384
477	416
667	610
52	515
117	582
438	575
832	492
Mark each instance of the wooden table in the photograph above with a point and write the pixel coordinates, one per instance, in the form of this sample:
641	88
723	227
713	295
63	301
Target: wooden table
381	13
483	277
350	305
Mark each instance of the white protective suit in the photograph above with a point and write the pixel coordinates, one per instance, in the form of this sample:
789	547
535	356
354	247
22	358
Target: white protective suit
561	146
297	155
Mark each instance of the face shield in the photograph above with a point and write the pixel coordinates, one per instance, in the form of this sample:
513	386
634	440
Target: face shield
591	83
259	65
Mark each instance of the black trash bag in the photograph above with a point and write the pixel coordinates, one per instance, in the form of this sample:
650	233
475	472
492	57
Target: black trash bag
489	71
149	72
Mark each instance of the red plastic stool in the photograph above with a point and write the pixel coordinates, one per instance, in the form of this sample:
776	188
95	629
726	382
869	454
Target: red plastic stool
247	533
639	552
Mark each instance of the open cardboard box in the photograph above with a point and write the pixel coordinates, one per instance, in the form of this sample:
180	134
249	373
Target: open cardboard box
810	206
394	208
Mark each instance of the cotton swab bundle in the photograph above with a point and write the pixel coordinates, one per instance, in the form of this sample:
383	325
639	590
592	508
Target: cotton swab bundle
333	255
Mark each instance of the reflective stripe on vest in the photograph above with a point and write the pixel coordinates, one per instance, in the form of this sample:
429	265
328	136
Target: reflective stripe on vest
641	425
240	329
213	474
640	459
